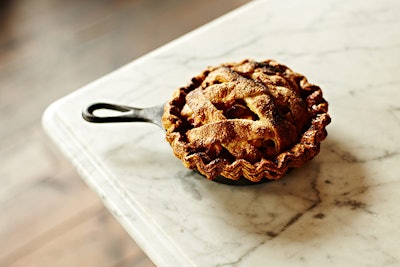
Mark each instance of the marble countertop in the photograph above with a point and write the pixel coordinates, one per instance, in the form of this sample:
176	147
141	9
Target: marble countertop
340	209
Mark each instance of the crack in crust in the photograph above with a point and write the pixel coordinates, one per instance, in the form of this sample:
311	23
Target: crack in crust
250	119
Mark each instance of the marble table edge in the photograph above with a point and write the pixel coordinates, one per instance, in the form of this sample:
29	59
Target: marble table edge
59	133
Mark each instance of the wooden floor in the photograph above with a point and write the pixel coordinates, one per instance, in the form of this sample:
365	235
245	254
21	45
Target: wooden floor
48	48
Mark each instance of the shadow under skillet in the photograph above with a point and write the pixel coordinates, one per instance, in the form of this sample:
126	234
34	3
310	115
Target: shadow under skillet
242	181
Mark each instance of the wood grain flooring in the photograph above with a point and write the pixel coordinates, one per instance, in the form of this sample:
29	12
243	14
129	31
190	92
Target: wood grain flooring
49	48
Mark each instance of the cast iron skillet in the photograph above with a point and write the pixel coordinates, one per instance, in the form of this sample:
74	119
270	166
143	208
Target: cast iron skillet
150	114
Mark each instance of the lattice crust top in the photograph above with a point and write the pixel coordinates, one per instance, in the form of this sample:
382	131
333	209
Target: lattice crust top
251	119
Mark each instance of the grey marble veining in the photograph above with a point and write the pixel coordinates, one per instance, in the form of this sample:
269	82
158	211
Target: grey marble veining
340	209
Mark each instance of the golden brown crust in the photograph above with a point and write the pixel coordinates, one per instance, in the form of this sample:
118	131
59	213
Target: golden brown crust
250	119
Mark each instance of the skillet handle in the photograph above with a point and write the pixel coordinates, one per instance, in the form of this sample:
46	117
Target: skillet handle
127	114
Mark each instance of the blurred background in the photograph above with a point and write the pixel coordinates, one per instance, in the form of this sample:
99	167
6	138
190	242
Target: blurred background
49	48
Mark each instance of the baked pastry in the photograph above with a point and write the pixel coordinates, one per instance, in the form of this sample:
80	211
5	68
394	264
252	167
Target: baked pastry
248	119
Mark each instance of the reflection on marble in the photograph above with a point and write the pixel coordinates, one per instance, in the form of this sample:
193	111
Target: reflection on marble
340	209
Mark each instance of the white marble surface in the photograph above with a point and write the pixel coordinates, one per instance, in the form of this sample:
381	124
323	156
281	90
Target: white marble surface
341	209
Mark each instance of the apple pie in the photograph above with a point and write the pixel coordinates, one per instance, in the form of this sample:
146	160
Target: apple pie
248	119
